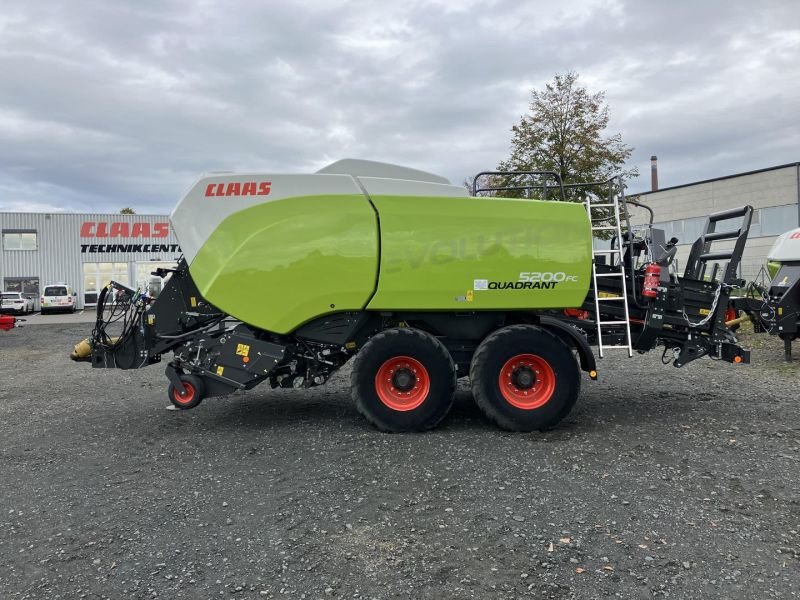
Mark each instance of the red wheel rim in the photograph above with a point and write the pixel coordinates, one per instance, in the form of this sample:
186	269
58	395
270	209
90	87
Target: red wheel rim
527	381
188	393
402	383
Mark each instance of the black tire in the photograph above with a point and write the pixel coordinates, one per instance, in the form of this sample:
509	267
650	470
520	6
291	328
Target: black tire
194	392
421	399
541	375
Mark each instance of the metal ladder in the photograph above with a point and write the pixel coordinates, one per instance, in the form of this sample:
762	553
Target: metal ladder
615	226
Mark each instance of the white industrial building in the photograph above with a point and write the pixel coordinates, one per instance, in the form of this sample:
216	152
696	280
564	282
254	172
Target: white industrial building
84	251
774	194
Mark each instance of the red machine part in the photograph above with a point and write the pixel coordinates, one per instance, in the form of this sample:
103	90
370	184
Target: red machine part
7	322
576	313
652	277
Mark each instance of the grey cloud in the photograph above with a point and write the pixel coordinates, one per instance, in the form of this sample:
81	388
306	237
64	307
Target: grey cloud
105	104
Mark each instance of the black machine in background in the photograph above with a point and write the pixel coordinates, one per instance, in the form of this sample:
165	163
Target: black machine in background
774	307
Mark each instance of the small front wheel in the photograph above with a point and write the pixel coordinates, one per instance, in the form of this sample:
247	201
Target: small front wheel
190	396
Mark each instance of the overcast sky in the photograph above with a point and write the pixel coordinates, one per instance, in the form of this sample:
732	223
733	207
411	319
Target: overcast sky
105	104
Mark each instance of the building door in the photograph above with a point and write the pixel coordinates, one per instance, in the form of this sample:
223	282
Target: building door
29	286
152	284
97	275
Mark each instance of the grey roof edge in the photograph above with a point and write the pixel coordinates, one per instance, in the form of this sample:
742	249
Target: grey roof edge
743	174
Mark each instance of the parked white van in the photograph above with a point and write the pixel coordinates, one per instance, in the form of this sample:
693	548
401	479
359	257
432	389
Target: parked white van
58	297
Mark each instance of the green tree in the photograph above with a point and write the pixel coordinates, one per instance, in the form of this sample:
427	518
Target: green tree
564	132
127	211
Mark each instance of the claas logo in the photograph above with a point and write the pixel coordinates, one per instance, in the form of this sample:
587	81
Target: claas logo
239	188
123	229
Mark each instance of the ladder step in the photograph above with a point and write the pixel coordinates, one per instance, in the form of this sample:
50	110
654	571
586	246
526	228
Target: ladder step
618	330
604	205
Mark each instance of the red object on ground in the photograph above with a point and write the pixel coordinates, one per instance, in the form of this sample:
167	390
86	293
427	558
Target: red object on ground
7	322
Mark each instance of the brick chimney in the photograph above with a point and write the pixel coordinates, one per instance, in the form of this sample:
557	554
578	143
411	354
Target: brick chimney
654	173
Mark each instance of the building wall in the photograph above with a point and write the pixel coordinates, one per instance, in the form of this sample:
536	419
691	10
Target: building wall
772	193
65	242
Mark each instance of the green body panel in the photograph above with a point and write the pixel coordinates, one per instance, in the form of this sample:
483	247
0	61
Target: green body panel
284	262
281	263
772	268
437	253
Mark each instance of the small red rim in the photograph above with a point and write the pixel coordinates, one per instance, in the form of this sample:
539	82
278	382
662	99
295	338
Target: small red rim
541	389
402	383
188	393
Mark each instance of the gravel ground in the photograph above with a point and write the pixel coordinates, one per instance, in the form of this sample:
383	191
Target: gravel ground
662	482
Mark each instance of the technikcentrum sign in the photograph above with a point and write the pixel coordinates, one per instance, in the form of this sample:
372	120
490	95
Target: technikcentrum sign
122	232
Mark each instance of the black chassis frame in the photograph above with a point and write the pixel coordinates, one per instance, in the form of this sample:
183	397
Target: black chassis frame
230	355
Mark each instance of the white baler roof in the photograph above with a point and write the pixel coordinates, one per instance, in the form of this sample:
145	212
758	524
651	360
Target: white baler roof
371	168
786	247
216	196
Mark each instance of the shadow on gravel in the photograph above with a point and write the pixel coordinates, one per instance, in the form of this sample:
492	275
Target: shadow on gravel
290	411
264	413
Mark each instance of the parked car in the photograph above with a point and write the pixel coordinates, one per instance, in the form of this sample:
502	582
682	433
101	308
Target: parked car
58	297
16	302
